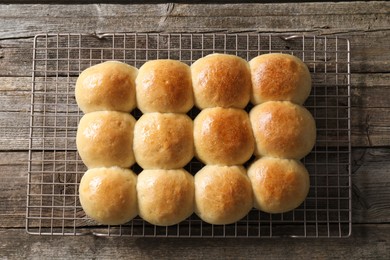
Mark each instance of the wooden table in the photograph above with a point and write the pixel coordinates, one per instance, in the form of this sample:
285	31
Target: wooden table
367	26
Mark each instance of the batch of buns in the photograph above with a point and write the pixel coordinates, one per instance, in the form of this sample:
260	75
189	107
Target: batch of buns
278	131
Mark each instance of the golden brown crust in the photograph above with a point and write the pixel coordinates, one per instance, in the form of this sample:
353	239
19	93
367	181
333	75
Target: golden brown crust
279	185
108	195
106	86
282	129
105	138
223	136
165	197
164	86
223	194
221	80
279	77
163	140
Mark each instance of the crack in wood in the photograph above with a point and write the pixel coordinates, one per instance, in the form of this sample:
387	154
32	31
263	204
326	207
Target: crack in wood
367	129
168	11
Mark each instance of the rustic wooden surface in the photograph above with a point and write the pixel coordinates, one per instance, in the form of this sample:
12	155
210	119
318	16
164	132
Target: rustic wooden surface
366	24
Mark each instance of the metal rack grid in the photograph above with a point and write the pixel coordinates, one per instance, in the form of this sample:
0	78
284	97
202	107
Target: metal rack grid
55	169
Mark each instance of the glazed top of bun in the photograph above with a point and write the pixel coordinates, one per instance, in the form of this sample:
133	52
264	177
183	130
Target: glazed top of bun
221	80
283	129
279	77
107	86
164	86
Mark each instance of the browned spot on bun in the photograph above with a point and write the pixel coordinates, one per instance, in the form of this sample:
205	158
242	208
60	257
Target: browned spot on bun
105	138
223	136
108	195
163	140
282	129
223	194
106	86
221	80
279	77
165	197
279	185
164	86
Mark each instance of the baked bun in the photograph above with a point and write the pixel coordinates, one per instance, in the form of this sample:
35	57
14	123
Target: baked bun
223	194
163	140
164	86
165	197
279	77
108	195
279	185
105	138
106	86
223	136
221	80
282	129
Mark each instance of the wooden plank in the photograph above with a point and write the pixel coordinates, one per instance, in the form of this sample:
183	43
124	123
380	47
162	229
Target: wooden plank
370	167
370	111
367	242
13	187
369	129
148	1
246	9
368	53
369	41
369	118
366	24
361	85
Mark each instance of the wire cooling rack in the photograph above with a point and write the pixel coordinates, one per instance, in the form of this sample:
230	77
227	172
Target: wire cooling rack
55	168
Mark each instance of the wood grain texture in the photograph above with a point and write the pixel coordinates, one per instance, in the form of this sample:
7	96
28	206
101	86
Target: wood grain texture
366	24
370	174
330	18
149	1
368	54
13	187
369	102
370	171
367	242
